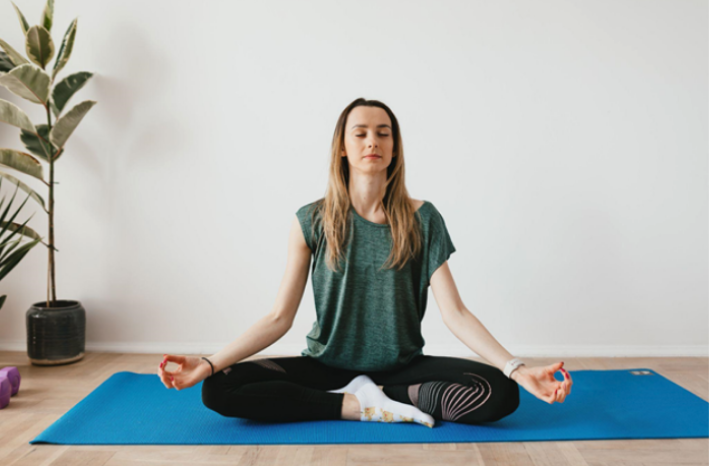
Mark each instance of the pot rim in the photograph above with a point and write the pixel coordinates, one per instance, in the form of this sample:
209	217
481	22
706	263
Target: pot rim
62	304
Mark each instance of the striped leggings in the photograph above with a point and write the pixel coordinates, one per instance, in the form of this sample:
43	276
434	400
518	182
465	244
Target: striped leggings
295	389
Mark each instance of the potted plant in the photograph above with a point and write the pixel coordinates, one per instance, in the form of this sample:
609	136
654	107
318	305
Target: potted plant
55	328
12	251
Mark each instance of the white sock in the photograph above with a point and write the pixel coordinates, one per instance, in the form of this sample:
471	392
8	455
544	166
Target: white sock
376	406
354	385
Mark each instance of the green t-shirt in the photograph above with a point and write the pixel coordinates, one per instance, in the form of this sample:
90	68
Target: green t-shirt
370	319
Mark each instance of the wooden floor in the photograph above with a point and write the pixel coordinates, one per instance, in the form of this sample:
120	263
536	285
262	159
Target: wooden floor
46	393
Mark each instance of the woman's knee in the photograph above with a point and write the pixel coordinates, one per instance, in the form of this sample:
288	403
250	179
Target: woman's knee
221	389
502	400
212	393
507	400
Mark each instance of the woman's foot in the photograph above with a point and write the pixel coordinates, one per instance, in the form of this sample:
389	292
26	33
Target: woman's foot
354	385
374	406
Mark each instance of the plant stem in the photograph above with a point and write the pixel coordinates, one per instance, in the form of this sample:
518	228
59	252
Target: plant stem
52	280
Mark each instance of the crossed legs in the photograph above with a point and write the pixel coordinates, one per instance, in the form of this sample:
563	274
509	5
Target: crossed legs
297	389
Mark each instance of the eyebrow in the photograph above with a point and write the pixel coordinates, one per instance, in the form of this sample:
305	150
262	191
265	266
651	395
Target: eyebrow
364	126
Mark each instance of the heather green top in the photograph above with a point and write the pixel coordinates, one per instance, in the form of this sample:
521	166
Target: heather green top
370	319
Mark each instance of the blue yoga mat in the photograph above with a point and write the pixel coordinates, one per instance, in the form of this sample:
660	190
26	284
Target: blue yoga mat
137	409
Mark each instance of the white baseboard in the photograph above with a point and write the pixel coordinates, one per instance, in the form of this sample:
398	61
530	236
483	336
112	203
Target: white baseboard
431	350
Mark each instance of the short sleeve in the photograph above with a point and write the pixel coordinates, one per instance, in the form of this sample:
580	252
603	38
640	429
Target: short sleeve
440	244
305	217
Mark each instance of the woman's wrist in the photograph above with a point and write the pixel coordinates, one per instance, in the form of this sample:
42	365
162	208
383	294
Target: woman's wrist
207	367
512	366
518	373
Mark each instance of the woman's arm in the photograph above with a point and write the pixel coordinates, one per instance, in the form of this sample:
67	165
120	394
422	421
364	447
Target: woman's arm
476	336
258	337
539	381
274	325
463	323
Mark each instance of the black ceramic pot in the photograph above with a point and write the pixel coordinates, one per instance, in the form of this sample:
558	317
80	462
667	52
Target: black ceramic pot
57	334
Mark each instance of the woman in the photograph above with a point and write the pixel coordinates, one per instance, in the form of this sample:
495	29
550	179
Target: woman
374	252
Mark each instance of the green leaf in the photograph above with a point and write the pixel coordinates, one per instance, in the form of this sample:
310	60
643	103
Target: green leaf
23	22
68	123
15	57
21	229
22	162
27	81
8	264
65	49
2	300
7	246
39	46
3	223
5	62
13	115
47	15
25	188
10	245
37	146
66	88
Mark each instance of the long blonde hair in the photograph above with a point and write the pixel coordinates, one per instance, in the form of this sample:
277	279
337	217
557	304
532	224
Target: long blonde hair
334	208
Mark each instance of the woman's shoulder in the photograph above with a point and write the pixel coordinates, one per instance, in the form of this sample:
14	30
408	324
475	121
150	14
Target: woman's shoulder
429	214
425	208
309	211
417	204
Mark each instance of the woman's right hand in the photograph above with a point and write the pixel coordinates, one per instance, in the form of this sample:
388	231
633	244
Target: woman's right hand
190	371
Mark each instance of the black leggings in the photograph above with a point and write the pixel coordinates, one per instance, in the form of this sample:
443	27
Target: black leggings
295	389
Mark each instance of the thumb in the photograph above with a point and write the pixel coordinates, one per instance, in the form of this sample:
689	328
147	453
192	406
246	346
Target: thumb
553	368
175	358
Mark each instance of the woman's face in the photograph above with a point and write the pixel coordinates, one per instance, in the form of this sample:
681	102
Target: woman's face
368	131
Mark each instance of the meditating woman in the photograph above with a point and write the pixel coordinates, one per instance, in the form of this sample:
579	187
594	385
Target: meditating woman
374	253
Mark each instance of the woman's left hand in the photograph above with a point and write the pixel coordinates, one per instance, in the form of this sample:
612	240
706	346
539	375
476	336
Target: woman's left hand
540	382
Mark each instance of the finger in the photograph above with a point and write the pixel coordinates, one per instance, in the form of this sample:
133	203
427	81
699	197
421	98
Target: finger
175	358
164	376
559	394
568	379
165	361
165	380
552	398
562	393
163	368
553	368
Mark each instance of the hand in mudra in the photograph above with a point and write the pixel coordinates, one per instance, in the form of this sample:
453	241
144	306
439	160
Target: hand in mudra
540	382
190	371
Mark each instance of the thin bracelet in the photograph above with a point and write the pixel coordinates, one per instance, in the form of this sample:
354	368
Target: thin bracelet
210	363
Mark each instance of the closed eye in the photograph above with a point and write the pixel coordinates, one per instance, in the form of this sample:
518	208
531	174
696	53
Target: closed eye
383	135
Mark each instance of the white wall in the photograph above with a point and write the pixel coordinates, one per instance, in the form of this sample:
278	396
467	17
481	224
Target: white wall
565	143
